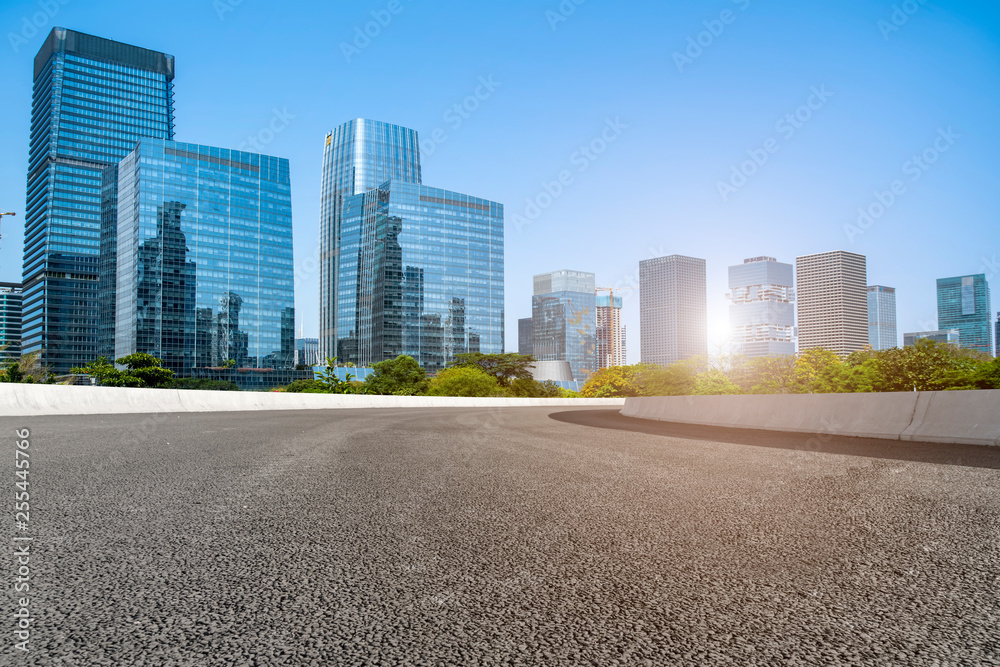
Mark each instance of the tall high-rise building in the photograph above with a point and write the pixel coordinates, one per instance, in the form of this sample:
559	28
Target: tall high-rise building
610	332
832	301
964	303
420	273
524	336
10	321
204	258
307	352
996	337
882	317
564	320
762	308
92	100
358	156
673	312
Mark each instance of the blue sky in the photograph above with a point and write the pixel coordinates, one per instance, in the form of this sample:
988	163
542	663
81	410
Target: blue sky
682	96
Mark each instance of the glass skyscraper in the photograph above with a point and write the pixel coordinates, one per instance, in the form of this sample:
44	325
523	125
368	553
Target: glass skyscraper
204	258
525	344
564	320
92	100
10	321
420	272
882	333
358	156
964	303
762	308
673	311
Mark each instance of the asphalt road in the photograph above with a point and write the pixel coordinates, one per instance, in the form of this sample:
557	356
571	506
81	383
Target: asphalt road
509	536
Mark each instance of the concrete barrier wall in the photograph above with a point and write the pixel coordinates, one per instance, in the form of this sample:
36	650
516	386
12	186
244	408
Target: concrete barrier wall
962	417
26	400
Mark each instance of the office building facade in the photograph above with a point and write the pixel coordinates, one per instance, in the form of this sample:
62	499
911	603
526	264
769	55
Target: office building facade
964	303
10	321
92	100
762	307
882	333
307	352
420	273
610	332
564	320
952	337
524	336
204	258
832	302
358	156
673	312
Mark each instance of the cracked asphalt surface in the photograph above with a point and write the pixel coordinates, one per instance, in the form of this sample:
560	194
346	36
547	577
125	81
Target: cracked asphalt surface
514	536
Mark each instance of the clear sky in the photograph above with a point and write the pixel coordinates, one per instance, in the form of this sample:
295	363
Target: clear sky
888	81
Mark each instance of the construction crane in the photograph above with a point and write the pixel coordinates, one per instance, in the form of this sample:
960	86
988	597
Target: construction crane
611	290
2	214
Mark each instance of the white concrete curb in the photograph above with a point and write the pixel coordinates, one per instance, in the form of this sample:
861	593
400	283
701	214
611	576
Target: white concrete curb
960	417
27	400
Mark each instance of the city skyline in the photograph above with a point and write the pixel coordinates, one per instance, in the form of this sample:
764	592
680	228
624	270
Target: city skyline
846	156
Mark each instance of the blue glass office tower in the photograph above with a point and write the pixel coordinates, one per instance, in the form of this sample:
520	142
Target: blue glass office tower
564	320
204	258
10	321
92	100
882	333
762	308
420	272
358	156
964	304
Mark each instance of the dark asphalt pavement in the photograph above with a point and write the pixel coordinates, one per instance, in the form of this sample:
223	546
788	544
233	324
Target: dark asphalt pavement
517	536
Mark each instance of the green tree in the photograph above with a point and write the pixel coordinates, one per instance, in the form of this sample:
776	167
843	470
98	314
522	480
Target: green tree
203	384
141	370
401	376
714	382
464	381
529	388
504	367
330	383
615	382
677	379
818	371
27	368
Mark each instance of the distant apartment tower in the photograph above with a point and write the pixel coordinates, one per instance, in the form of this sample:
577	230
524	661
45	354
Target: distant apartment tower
92	100
964	303
204	258
524	336
564	320
610	332
882	333
307	352
832	301
762	308
10	321
673	312
951	337
996	337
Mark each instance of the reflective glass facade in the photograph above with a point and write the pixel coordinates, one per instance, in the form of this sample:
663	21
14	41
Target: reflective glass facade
964	304
358	156
93	99
951	337
10	321
204	258
882	317
762	308
420	272
673	311
524	336
564	320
